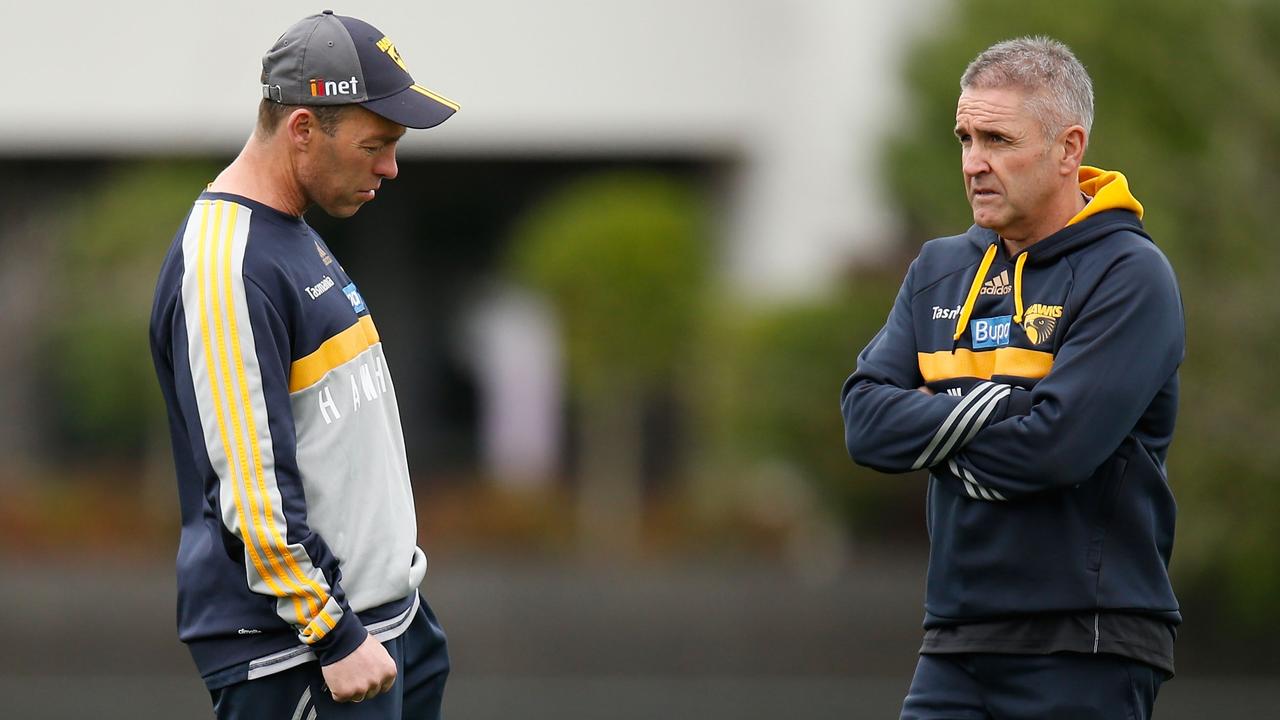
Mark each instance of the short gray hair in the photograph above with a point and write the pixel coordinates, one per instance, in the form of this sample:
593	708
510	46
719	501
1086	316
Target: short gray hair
1060	93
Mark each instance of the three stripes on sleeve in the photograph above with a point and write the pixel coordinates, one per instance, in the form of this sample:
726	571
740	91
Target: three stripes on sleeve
235	418
959	427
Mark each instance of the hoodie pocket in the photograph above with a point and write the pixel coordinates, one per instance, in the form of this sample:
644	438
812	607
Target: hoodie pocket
1108	497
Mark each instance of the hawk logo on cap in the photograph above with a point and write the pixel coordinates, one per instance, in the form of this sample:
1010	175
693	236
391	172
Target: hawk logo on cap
388	47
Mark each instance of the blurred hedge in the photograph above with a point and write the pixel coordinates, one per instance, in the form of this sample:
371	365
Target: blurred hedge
623	258
773	376
1188	106
98	350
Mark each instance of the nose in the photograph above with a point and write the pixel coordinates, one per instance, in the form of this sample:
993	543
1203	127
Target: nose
386	167
974	161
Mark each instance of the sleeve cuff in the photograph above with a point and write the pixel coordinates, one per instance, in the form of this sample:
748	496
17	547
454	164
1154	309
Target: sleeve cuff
343	640
958	475
1019	403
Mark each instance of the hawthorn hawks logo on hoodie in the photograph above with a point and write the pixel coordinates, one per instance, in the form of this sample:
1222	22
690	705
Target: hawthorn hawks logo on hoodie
1039	322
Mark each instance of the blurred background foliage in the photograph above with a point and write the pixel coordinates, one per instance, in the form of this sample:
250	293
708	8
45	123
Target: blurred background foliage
1187	106
105	389
770	406
623	259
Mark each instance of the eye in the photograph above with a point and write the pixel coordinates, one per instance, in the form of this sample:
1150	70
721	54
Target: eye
999	139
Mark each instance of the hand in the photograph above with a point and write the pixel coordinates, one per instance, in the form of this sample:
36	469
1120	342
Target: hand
925	389
361	675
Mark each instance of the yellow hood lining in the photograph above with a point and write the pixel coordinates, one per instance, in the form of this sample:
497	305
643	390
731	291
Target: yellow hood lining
1107	190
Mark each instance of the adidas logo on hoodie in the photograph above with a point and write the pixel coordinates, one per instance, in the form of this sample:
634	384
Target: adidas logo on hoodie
998	285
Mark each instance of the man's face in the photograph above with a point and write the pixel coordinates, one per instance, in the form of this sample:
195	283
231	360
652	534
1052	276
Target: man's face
342	172
1010	175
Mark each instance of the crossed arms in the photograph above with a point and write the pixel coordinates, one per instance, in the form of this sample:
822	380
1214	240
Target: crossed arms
1121	349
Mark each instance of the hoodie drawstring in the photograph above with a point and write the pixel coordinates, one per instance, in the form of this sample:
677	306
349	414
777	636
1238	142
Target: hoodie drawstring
963	319
1017	288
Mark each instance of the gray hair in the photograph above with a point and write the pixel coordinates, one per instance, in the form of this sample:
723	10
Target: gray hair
1060	93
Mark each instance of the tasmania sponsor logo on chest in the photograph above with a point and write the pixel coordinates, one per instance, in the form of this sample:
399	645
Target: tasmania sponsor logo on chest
320	288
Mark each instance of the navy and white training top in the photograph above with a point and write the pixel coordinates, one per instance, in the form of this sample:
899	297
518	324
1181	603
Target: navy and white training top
298	527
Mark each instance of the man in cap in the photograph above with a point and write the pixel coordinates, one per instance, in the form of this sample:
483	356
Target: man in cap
298	569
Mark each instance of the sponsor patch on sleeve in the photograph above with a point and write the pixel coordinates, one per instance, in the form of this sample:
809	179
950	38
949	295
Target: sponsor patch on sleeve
357	302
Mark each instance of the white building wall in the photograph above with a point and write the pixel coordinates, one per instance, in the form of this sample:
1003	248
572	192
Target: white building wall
797	93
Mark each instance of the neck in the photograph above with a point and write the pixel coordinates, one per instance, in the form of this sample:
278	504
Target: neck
264	171
1066	205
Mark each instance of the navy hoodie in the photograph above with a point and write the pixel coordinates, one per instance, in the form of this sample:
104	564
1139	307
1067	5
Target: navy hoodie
1055	375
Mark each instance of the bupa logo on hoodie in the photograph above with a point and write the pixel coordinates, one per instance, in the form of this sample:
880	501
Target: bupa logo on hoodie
991	332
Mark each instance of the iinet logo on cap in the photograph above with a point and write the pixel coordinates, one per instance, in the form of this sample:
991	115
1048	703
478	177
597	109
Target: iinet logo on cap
324	88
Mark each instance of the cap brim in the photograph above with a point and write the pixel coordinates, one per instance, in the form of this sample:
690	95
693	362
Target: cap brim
414	107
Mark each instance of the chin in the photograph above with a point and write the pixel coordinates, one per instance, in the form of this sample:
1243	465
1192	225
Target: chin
342	211
986	221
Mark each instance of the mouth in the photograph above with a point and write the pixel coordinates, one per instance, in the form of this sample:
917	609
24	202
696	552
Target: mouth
983	194
366	195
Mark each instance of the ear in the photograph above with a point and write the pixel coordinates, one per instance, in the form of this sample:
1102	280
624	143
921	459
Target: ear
301	127
1072	143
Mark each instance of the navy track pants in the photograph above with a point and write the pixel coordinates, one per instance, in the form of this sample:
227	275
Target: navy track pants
299	693
1061	686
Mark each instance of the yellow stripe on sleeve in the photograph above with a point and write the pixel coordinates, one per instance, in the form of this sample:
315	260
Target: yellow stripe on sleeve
332	353
222	244
1010	361
277	546
321	626
206	283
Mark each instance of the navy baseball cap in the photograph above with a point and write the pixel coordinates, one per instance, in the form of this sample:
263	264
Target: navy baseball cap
329	59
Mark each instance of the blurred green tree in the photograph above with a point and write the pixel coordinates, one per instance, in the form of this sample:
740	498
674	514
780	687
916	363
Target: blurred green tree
98	357
772	377
622	258
1188	106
